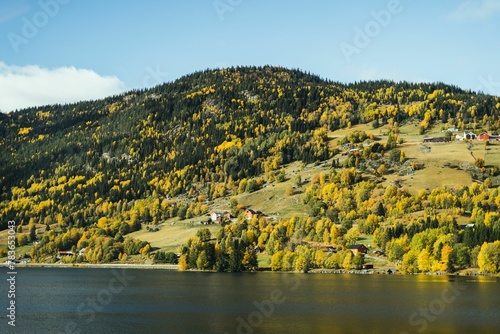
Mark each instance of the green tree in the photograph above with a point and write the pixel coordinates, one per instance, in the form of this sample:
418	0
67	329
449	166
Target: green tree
22	240
371	223
32	232
461	253
242	186
395	155
358	261
250	259
204	234
202	261
251	186
181	213
391	142
233	203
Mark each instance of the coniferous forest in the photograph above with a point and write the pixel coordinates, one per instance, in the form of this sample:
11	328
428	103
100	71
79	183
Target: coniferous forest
84	176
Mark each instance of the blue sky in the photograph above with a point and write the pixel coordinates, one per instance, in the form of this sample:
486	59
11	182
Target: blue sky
57	51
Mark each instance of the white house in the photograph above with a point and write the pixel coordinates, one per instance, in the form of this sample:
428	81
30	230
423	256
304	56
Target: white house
470	135
216	217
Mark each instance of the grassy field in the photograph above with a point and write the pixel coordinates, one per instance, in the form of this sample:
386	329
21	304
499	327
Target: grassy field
173	233
492	153
264	260
439	166
20	251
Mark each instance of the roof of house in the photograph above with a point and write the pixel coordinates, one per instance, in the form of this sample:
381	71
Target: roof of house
356	246
253	212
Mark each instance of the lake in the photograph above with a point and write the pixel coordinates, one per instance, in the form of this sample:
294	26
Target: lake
67	300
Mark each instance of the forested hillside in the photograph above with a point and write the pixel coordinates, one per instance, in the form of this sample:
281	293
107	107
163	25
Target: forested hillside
84	175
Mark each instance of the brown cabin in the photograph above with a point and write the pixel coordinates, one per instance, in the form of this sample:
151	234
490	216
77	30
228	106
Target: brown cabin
252	213
358	248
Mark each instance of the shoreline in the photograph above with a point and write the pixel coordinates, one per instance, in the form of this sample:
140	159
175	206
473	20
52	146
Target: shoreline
175	267
97	266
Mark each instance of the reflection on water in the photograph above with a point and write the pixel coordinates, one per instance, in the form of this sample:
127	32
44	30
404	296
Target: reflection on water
150	301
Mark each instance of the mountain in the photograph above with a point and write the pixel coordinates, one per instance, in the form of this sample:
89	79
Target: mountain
101	168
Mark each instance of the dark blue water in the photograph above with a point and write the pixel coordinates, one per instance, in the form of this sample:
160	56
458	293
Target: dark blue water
50	300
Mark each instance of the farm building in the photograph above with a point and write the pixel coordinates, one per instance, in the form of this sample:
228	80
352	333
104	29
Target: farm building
483	136
252	213
437	139
486	136
358	248
216	217
470	135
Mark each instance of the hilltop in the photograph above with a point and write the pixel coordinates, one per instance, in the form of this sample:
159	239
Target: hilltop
288	143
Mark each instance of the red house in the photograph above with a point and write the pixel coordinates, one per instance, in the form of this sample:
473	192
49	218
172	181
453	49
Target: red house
483	136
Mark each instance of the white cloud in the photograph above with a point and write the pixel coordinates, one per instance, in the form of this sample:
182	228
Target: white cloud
28	86
472	10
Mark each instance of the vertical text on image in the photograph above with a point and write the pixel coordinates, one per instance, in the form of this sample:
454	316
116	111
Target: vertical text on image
12	273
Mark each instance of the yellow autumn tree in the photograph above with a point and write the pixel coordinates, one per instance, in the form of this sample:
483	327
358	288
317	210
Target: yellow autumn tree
424	262
183	263
446	258
346	264
488	258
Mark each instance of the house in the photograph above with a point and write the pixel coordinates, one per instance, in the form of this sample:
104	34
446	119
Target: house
464	226
367	266
249	213
437	139
483	136
358	248
355	151
470	135
487	136
216	217
64	253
